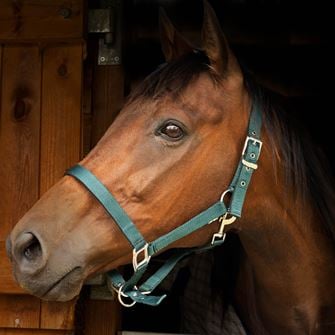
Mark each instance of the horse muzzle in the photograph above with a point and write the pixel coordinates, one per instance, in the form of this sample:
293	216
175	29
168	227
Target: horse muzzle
46	277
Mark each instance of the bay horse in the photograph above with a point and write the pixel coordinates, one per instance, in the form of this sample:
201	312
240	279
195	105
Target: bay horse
168	156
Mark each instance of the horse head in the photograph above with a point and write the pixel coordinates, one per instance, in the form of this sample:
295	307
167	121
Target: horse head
170	154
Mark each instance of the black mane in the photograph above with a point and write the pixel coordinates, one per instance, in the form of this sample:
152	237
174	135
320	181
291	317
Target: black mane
307	168
172	78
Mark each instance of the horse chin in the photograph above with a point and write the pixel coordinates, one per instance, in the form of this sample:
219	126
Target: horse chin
66	288
63	289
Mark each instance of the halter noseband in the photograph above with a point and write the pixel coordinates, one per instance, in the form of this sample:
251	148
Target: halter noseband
143	250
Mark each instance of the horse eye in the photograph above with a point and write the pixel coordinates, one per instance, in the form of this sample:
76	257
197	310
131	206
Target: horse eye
172	131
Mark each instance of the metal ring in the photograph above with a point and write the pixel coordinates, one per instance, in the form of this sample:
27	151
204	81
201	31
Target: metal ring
229	190
120	294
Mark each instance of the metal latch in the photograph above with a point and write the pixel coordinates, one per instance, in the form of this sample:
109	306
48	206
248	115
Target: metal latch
107	23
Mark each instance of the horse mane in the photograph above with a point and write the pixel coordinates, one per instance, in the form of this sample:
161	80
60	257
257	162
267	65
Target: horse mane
305	165
308	171
172	78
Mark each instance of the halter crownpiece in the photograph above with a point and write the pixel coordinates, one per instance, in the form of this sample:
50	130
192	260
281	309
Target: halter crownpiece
143	251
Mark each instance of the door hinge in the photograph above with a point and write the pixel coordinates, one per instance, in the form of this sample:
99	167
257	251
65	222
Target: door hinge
107	24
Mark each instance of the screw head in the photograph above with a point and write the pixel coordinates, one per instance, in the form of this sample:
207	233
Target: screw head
65	12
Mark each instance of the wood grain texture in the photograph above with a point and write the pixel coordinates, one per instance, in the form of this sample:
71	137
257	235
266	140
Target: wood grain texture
26	80
19	143
60	141
20	331
102	317
87	105
40	19
19	133
8	284
108	98
61	112
19	311
57	315
1	49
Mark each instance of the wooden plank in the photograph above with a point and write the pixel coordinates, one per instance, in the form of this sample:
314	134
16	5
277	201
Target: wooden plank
1	48
61	112
40	19
60	141
19	133
19	311
108	98
7	283
56	315
19	143
20	331
102	317
87	105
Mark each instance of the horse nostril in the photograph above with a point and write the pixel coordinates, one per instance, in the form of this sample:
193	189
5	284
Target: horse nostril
28	247
33	250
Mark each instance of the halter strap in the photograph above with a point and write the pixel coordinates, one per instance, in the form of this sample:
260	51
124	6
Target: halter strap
143	251
247	164
107	200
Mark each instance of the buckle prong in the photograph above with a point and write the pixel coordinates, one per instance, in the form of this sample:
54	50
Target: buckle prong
249	164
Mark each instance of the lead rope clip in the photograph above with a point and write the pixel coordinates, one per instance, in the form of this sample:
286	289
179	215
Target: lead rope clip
220	235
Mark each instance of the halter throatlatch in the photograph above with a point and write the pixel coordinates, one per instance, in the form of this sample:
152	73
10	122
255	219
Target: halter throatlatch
143	250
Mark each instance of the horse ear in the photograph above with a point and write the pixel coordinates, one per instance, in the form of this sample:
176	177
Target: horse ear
174	45
214	42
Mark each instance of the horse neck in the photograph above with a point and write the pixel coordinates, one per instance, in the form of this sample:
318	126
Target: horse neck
288	271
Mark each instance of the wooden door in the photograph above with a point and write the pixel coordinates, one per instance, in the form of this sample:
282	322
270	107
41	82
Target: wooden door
41	65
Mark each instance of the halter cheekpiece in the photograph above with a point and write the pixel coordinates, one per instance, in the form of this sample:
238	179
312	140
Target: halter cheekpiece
143	250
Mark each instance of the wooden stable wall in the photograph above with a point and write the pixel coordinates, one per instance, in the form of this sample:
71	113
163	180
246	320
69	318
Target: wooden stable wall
41	61
53	109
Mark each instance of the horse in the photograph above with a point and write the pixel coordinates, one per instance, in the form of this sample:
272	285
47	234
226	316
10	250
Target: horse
168	156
